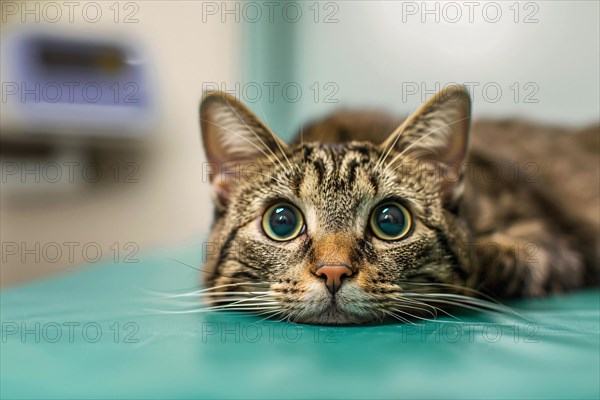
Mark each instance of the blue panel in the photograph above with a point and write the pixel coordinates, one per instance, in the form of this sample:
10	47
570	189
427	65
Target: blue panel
94	334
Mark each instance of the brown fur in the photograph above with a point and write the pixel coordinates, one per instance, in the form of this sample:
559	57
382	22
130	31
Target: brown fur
522	219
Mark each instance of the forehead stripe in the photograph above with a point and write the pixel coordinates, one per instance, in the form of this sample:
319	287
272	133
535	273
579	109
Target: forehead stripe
320	169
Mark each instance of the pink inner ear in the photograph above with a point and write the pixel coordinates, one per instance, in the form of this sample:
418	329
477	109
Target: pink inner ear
233	138
215	152
221	189
456	150
214	160
454	156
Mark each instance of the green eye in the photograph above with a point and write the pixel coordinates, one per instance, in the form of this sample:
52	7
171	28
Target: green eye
282	222
390	221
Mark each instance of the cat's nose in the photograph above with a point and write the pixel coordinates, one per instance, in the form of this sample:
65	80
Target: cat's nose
334	275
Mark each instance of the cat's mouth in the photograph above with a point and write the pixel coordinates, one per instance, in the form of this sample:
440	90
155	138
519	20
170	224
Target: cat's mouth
342	308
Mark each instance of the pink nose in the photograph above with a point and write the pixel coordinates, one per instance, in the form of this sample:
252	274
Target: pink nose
334	275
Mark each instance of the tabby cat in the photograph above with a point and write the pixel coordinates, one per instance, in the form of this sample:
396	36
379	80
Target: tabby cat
366	217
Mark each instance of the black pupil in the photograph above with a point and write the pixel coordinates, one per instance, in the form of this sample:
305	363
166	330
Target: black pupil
283	221
391	220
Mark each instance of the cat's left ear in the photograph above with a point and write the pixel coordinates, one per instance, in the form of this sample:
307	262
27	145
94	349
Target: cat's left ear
438	132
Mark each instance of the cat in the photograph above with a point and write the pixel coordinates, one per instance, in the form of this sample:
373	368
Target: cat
366	217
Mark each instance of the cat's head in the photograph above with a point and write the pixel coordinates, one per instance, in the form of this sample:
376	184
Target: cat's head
336	233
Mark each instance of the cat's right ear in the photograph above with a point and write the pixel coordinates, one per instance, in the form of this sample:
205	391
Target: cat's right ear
233	137
438	132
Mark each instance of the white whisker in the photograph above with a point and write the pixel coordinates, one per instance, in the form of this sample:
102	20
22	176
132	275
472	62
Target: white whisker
259	138
275	137
398	133
204	310
247	140
398	317
424	137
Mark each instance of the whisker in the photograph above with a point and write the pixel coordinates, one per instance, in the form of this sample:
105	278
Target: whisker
387	151
468	299
398	317
203	310
259	138
423	137
275	137
247	140
403	304
454	286
201	270
466	302
200	291
210	294
270	314
379	317
459	304
286	316
235	300
412	159
194	302
231	298
412	315
440	310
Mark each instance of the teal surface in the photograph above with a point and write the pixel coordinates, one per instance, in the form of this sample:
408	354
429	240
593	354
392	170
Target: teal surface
93	334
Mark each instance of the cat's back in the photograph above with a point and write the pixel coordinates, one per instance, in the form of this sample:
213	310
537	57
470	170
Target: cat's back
562	164
347	125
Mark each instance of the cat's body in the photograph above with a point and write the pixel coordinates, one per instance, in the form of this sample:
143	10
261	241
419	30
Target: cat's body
516	215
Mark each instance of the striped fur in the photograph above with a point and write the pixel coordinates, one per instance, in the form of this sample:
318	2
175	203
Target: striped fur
472	235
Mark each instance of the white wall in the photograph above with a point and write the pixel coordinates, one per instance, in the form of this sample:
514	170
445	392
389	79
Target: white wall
379	48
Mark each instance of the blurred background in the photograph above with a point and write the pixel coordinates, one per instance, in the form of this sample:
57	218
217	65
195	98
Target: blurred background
100	147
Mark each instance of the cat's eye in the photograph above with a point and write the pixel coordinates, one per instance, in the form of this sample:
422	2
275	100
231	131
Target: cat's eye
282	222
391	221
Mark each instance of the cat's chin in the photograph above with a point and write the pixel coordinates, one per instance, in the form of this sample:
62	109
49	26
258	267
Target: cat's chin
334	314
333	317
